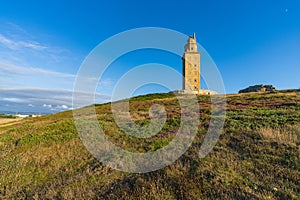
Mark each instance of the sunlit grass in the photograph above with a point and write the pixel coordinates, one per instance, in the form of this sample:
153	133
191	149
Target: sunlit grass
256	157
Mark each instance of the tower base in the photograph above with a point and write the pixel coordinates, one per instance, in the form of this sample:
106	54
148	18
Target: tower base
199	92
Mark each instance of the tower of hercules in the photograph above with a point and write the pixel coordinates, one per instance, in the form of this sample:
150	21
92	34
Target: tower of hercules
191	66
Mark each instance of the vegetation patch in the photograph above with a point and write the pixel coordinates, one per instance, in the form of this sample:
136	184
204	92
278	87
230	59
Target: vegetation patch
256	156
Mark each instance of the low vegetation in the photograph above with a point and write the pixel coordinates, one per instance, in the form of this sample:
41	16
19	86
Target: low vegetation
4	116
256	157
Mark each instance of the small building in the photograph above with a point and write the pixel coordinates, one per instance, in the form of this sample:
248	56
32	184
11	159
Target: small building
26	115
21	115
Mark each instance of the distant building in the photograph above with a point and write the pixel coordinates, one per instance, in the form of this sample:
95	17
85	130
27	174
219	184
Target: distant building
25	115
21	116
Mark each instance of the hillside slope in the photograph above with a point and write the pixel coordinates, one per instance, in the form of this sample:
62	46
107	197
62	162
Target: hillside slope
257	155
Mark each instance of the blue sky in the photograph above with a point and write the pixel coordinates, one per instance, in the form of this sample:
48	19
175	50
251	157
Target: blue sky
43	43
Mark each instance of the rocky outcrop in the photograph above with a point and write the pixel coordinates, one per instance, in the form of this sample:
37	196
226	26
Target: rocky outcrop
259	88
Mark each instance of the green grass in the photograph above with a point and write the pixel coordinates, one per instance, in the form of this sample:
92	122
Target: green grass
7	116
256	157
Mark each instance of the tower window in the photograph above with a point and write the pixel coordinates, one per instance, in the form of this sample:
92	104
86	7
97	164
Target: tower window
195	65
192	48
195	80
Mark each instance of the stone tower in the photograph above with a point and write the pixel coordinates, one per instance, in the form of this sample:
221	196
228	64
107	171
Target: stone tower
191	66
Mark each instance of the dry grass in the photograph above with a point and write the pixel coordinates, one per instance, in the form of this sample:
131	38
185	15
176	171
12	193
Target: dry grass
286	135
8	121
5	123
43	158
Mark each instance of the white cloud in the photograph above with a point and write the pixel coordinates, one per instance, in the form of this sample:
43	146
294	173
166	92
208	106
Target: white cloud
64	107
33	71
13	99
32	45
8	43
25	56
41	99
19	45
47	105
30	63
21	76
60	108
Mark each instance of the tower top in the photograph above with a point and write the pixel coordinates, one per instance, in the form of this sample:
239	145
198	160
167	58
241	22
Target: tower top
191	45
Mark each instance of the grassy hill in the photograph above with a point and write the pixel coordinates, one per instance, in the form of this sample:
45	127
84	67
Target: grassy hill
256	157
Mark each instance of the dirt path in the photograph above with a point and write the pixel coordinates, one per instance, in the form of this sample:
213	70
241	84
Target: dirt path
7	122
